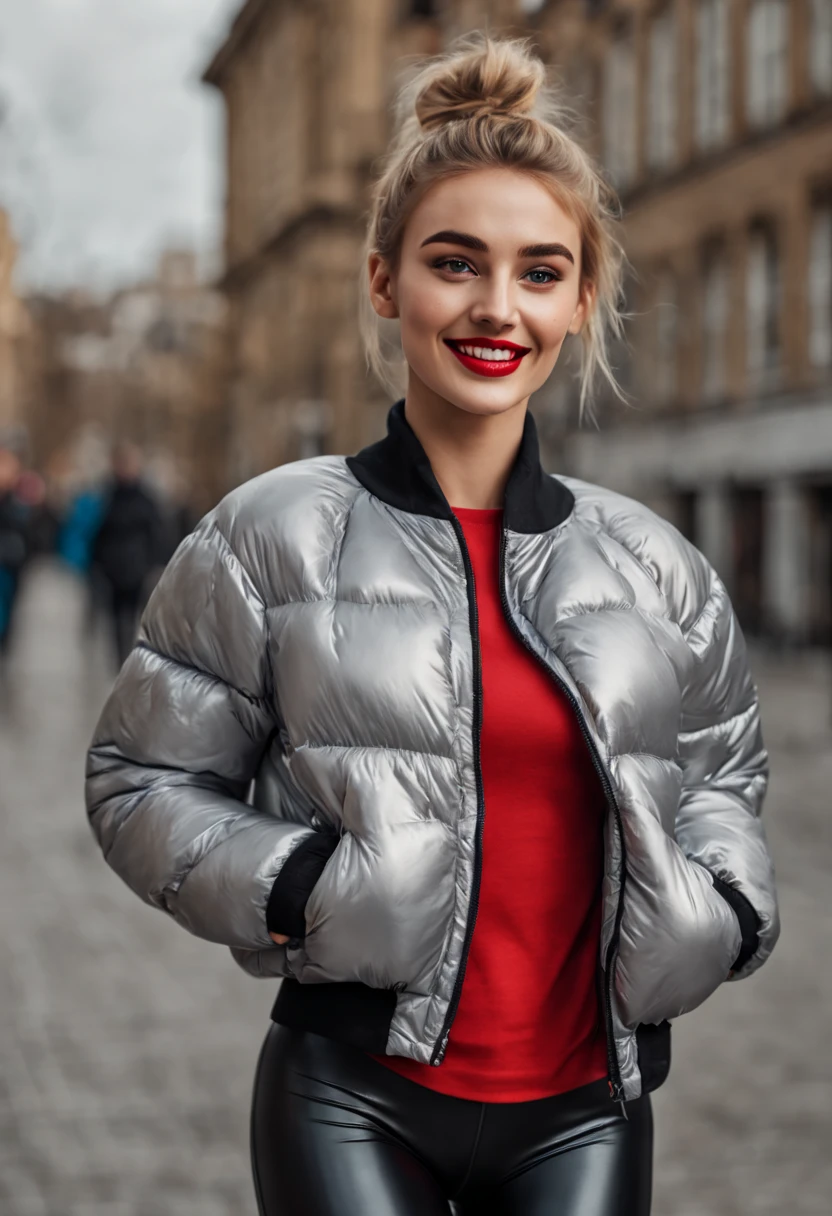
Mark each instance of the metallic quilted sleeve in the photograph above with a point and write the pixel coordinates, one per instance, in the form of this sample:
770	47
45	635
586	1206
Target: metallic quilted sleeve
177	744
725	765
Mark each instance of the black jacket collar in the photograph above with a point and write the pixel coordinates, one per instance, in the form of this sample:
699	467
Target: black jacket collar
397	470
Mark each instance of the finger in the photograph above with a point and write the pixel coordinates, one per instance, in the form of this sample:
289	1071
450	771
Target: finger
280	938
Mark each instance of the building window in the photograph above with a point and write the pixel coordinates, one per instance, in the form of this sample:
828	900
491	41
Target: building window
767	61
820	287
620	108
714	321
666	336
661	90
712	45
762	306
820	46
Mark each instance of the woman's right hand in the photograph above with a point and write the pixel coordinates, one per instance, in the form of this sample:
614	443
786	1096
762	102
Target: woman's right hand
280	938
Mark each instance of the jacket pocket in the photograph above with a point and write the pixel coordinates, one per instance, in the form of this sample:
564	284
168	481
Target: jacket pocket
679	939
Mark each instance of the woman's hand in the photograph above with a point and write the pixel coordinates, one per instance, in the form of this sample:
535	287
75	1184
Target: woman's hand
280	938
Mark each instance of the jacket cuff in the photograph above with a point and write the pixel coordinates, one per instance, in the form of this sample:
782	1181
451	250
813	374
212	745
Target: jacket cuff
285	911
749	921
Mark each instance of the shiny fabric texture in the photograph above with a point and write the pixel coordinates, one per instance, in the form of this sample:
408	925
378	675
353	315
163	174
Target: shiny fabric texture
335	1133
313	640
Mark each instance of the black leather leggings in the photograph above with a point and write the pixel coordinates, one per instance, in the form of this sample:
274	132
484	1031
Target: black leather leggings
335	1133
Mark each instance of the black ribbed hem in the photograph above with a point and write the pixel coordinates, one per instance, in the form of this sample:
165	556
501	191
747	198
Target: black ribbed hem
653	1046
350	1012
285	911
749	922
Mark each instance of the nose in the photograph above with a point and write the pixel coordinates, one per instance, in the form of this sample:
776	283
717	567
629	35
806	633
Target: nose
496	302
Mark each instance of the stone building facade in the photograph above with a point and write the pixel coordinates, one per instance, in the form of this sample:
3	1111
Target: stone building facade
148	364
15	344
713	118
71	395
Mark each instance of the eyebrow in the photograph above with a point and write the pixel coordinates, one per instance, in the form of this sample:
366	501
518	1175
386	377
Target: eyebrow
448	236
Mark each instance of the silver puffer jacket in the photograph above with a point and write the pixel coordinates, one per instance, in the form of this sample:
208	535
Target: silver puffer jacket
293	744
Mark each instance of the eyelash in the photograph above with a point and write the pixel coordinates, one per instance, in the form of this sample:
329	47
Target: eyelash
557	277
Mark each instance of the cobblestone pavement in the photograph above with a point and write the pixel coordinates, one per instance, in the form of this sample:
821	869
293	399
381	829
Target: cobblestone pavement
127	1046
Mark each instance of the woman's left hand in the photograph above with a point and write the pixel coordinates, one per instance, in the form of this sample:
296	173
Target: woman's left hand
280	938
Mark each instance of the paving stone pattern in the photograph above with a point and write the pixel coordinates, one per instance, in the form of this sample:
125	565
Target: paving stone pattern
127	1046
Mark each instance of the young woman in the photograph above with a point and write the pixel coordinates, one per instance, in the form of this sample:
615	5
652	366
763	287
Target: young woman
505	748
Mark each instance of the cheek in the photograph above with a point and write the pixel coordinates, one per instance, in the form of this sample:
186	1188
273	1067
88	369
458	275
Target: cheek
428	310
553	321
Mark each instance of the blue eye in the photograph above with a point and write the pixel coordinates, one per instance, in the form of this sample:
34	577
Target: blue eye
554	276
452	261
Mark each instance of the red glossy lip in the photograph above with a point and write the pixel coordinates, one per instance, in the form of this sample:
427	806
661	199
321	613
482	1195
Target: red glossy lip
488	367
492	343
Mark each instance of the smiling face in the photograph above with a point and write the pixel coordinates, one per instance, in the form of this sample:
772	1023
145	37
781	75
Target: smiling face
486	289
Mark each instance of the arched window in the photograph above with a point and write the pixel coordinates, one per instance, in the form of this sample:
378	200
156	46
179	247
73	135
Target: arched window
619	102
666	336
820	285
714	319
712	60
661	90
820	46
763	306
767	44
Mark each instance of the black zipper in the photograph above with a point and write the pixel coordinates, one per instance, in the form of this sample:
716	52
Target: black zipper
616	1088
439	1049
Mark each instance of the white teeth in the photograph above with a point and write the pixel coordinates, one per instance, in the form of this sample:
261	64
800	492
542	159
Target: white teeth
486	352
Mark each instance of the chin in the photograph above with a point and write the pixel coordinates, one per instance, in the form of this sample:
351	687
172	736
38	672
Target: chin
486	399
488	409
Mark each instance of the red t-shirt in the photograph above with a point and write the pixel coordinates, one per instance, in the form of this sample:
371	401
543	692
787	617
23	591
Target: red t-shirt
529	1020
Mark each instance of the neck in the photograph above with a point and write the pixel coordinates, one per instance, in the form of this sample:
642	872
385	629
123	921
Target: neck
471	454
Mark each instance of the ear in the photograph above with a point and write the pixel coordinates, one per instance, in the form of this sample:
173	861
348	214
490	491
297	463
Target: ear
583	308
382	288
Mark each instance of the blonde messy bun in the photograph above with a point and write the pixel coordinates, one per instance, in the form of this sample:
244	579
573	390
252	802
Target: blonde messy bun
498	79
488	103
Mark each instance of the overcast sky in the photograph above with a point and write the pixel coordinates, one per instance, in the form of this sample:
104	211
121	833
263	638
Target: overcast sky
110	147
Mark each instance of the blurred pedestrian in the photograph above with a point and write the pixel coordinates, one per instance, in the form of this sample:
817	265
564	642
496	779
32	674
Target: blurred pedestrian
42	520
506	753
129	545
79	525
14	541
